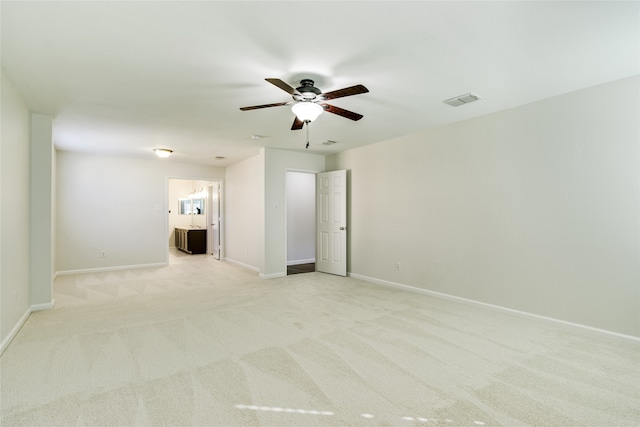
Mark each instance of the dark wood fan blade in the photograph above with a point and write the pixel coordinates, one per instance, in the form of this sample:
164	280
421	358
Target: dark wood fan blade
282	85
297	124
348	91
255	107
342	112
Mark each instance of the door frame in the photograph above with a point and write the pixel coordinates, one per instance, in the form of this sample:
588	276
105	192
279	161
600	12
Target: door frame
286	229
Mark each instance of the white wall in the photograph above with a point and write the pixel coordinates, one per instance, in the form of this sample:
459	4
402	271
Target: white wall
244	212
117	205
301	217
534	208
42	205
15	210
277	162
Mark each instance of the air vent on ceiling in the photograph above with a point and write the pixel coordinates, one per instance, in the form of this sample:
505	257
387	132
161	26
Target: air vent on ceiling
459	100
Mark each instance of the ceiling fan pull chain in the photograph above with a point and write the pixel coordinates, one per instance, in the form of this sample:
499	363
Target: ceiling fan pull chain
307	123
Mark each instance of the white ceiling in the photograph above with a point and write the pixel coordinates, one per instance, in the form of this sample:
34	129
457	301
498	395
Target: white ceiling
123	78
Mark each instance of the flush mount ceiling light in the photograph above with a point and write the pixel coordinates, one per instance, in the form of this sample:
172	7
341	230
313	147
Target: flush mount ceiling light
162	152
307	111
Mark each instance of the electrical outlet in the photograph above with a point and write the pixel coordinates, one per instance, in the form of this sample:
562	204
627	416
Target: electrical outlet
103	254
398	265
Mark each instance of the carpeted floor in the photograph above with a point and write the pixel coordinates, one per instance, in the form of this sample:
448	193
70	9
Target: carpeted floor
202	343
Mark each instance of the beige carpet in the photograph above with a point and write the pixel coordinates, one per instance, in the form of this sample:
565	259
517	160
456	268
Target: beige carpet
202	343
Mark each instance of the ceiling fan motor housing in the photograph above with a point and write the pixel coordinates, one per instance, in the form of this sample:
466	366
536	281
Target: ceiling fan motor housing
307	91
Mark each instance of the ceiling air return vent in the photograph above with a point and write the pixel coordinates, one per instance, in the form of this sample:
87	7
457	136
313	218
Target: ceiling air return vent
459	100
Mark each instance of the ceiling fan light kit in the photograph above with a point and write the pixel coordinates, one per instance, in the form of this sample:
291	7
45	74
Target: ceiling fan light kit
307	111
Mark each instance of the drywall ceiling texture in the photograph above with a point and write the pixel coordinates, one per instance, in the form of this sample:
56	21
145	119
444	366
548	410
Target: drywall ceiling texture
126	77
534	209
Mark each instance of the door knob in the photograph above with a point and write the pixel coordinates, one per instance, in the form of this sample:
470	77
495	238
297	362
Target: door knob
341	228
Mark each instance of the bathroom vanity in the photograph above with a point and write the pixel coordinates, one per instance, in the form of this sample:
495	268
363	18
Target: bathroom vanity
191	240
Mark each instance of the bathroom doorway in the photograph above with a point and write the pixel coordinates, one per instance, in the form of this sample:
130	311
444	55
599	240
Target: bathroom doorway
194	225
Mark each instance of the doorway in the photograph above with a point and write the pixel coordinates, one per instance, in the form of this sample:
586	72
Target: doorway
300	217
194	206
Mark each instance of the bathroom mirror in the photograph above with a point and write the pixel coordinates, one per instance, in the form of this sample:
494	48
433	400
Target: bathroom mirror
191	206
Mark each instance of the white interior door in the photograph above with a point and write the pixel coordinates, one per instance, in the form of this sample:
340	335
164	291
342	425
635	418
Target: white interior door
213	218
331	256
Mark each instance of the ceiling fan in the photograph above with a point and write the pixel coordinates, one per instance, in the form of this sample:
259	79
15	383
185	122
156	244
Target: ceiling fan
308	101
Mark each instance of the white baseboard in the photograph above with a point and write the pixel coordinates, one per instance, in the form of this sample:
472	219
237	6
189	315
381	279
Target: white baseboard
241	264
14	331
12	334
45	306
256	269
486	305
272	275
301	261
104	269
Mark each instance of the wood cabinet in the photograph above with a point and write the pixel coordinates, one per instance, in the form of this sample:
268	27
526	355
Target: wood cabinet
191	241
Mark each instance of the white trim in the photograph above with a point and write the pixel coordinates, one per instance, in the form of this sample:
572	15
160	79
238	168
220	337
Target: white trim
486	305
301	261
241	264
103	269
12	334
45	306
272	275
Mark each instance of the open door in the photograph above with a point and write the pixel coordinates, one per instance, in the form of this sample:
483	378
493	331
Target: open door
213	218
331	241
